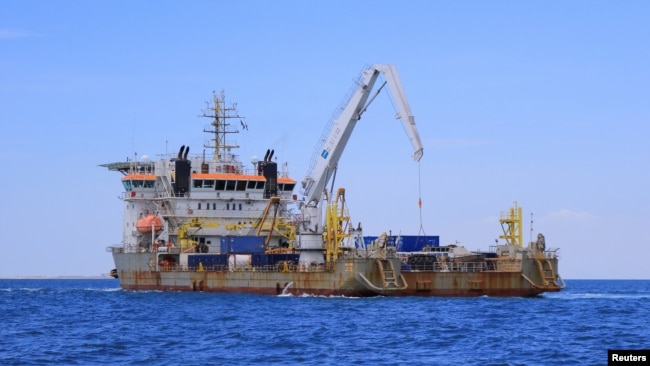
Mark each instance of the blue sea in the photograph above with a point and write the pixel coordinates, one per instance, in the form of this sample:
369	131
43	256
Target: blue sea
94	322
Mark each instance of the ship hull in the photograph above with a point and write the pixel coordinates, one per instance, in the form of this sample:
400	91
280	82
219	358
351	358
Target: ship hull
353	277
500	284
521	278
140	271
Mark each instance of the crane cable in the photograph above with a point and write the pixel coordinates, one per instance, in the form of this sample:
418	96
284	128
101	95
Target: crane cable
421	232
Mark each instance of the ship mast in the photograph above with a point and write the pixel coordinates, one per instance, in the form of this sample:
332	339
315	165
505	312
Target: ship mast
220	127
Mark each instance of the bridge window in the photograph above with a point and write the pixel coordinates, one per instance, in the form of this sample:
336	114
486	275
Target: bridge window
200	183
241	185
230	185
138	183
220	185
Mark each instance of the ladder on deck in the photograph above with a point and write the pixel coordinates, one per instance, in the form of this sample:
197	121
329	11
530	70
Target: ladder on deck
547	272
167	199
387	272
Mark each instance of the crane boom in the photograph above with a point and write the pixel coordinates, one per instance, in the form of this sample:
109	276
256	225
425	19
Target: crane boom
327	161
404	110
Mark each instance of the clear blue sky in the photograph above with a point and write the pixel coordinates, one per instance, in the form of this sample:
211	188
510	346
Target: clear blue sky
543	103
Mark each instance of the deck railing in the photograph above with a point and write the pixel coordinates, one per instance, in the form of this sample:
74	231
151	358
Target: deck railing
489	265
128	249
290	267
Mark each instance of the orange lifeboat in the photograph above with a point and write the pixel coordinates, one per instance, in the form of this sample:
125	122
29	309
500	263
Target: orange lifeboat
145	224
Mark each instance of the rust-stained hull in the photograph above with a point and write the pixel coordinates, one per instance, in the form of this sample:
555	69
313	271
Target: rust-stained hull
264	283
139	271
457	284
354	277
522	277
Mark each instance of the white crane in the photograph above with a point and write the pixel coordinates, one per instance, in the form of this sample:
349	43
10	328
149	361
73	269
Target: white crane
326	161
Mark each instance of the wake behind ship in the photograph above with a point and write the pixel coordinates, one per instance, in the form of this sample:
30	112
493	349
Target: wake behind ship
207	222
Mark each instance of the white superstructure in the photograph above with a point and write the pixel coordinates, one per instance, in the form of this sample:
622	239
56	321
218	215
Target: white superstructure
195	200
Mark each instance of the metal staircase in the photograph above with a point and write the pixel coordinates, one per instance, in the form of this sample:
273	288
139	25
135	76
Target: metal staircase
390	282
167	198
387	272
547	273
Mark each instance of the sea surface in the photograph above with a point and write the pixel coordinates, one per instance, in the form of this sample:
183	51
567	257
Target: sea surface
94	322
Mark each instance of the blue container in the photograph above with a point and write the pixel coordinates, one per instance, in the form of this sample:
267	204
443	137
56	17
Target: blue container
242	244
408	243
258	260
288	257
207	260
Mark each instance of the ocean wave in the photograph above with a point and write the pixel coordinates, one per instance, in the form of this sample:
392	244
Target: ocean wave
76	322
597	295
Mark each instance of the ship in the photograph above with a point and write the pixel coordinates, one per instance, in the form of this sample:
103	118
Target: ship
208	222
